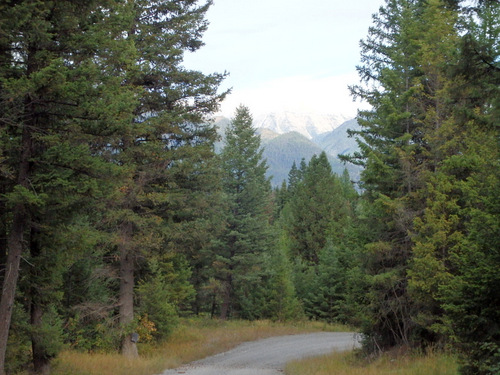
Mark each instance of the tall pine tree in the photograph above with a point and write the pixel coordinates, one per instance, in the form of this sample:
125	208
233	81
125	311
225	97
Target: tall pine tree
393	151
247	235
163	152
58	100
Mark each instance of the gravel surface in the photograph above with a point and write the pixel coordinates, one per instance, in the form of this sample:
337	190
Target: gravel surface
269	356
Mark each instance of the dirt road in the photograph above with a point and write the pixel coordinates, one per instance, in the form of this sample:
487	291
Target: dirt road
269	356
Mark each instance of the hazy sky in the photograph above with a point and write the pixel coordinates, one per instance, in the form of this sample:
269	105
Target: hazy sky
286	54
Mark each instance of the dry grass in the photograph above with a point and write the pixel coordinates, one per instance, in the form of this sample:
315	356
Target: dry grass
347	364
194	339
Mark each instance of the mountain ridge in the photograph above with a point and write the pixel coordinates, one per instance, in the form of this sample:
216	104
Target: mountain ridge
281	148
308	124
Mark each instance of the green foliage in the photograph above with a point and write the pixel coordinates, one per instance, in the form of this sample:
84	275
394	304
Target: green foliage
313	207
281	302
163	293
19	346
247	236
107	153
102	129
468	297
429	146
405	57
331	283
317	223
88	301
49	334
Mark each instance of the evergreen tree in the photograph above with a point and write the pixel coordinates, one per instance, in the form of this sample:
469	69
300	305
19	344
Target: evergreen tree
165	148
471	296
96	105
247	235
394	153
315	220
420	147
312	208
281	301
57	100
449	252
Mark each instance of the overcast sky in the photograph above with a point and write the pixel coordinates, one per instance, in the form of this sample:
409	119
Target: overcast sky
291	55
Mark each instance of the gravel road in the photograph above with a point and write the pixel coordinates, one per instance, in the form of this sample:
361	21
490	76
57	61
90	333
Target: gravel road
269	356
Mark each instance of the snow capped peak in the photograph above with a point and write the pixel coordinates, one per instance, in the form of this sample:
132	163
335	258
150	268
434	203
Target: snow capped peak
307	124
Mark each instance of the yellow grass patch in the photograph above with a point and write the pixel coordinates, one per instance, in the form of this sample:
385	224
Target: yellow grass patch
193	339
347	364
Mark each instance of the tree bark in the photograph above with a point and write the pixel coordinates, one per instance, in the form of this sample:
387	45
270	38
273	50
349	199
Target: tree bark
41	359
41	363
228	293
3	239
20	222
126	297
227	299
15	249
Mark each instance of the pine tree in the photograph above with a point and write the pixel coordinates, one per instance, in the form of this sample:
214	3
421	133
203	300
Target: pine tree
92	110
55	97
449	253
315	219
281	302
420	147
247	235
164	150
313	207
394	153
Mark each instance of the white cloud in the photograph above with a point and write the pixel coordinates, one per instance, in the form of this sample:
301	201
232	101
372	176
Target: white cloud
302	94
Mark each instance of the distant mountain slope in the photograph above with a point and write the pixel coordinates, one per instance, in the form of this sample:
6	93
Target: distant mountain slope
281	151
337	141
266	134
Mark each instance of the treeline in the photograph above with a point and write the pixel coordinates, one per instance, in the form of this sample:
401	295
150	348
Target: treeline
106	172
117	216
429	146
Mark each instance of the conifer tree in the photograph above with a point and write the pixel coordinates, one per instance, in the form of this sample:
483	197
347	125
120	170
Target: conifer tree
315	221
281	301
247	235
166	146
394	153
418	144
95	104
312	208
58	100
449	252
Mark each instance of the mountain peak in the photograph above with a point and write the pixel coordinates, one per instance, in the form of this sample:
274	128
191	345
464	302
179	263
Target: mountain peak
309	125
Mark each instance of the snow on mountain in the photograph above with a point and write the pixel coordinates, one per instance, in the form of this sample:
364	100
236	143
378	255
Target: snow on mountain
309	125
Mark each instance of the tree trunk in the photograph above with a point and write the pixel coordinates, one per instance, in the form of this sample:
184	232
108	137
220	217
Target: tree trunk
126	297
41	363
3	240
227	298
41	360
20	222
15	249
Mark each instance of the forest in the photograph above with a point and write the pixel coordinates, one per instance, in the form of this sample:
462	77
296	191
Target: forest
118	217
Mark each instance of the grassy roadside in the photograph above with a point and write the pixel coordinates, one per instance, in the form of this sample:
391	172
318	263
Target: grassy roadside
198	338
347	364
193	339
